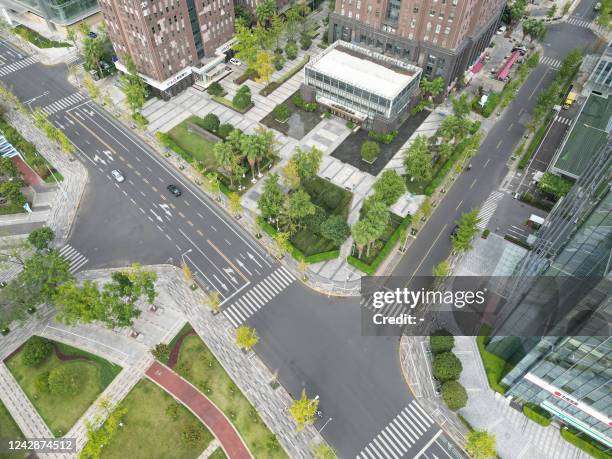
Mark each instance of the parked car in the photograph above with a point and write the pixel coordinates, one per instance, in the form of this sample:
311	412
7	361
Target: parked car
520	49
235	62
92	34
454	232
118	176
597	6
501	30
175	190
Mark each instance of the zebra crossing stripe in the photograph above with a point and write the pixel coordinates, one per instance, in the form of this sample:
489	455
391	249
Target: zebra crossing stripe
383	449
420	408
408	418
394	432
488	208
408	433
74	258
230	315
393	443
417	419
272	285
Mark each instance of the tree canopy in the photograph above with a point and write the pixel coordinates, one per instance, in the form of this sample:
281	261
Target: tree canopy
481	445
304	410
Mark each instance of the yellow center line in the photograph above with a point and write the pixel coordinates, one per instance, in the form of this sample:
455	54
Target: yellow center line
200	232
227	259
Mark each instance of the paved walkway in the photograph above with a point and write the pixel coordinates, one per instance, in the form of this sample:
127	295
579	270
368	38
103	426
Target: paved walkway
202	407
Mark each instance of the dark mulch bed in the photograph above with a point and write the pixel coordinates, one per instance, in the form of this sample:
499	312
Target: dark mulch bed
176	349
349	151
299	123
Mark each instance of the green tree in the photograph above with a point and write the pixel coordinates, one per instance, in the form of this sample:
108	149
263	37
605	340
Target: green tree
282	243
242	99
93	50
292	23
299	206
246	46
554	185
432	88
211	122
461	105
265	11
41	237
100	434
291	175
133	86
8	169
517	11
307	162
370	151
42	275
36	350
246	337
226	158
281	112
552	11
234	203
76	304
276	29
569	66
362	233
324	451
467	229
161	351
64	380
454	395
389	187
446	367
11	191
417	159
441	341
480	444
377	213
441	269
72	37
270	202
304	411
534	29
244	17
90	86
335	229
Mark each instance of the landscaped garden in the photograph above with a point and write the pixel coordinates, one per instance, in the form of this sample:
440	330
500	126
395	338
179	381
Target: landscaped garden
293	117
60	381
196	363
308	218
9	430
37	39
229	158
155	425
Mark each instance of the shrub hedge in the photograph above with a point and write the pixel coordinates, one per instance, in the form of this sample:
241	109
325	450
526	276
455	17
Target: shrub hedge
168	142
37	39
587	445
301	103
535	143
537	414
228	103
446	168
274	85
383	137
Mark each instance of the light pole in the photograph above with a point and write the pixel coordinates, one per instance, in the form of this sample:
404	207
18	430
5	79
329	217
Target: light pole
185	253
324	425
595	128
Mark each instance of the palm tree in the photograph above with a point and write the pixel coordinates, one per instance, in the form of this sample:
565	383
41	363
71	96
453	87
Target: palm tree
224	154
249	147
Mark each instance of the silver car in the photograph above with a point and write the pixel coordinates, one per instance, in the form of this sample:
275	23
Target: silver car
118	176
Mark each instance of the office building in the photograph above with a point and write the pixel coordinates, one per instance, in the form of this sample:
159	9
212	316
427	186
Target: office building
57	14
565	282
600	80
173	43
443	37
361	85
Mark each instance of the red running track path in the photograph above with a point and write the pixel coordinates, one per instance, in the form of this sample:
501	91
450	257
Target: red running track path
202	407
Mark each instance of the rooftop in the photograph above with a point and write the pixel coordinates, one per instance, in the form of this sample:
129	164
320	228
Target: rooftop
365	69
586	138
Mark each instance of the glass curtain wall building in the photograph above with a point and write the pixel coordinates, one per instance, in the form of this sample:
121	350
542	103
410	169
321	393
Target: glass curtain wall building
568	372
61	12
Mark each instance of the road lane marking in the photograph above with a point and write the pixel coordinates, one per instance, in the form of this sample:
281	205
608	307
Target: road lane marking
461	202
200	233
145	180
227	259
428	250
485	164
132	200
189	223
155	189
129	165
536	87
498	145
473	183
199	214
180	213
187	203
510	127
137	173
228	242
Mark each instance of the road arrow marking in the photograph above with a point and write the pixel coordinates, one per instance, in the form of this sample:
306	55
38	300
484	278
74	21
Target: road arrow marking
166	209
159	219
252	257
97	159
229	272
221	283
241	264
108	155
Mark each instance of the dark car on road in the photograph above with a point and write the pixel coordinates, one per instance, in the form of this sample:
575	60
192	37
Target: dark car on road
454	232
174	190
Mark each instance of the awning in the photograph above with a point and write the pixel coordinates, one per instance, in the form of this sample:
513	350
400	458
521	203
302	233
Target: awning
505	70
6	149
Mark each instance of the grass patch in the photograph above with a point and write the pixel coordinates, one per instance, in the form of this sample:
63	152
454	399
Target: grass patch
54	177
585	443
60	412
10	430
228	103
535	143
218	454
149	431
495	367
274	85
11	209
196	146
199	366
37	39
537	414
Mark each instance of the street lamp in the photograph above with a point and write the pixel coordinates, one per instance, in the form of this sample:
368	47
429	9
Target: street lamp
185	253
596	128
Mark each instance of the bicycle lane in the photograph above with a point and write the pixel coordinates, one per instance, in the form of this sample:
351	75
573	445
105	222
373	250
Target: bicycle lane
202	407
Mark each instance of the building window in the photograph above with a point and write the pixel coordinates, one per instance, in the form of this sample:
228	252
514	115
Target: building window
413	23
446	30
428	26
438	27
432	12
415	9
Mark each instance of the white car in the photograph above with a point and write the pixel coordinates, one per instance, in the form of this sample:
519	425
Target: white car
235	62
597	6
118	176
501	30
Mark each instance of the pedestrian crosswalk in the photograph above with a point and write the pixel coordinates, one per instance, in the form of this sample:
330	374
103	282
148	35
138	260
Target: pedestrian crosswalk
488	208
551	62
254	298
74	257
578	22
73	59
400	435
13	67
563	120
63	103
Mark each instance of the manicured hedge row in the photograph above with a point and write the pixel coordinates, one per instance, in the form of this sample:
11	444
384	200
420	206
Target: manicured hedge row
228	103
386	250
37	39
535	143
248	74
444	170
584	445
297	253
274	85
536	414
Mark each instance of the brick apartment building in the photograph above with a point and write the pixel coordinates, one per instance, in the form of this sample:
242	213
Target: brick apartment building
444	37
172	42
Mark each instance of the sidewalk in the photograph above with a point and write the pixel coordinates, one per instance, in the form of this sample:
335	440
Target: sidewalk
202	407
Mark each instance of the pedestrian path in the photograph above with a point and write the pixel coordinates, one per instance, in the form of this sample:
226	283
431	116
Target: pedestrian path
563	120
202	407
74	257
578	22
400	435
63	103
488	208
13	67
252	300
75	59
551	62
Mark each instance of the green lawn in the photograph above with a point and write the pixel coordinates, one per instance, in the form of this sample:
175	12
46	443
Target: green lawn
198	365
60	412
218	454
334	201
197	146
10	430
150	432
